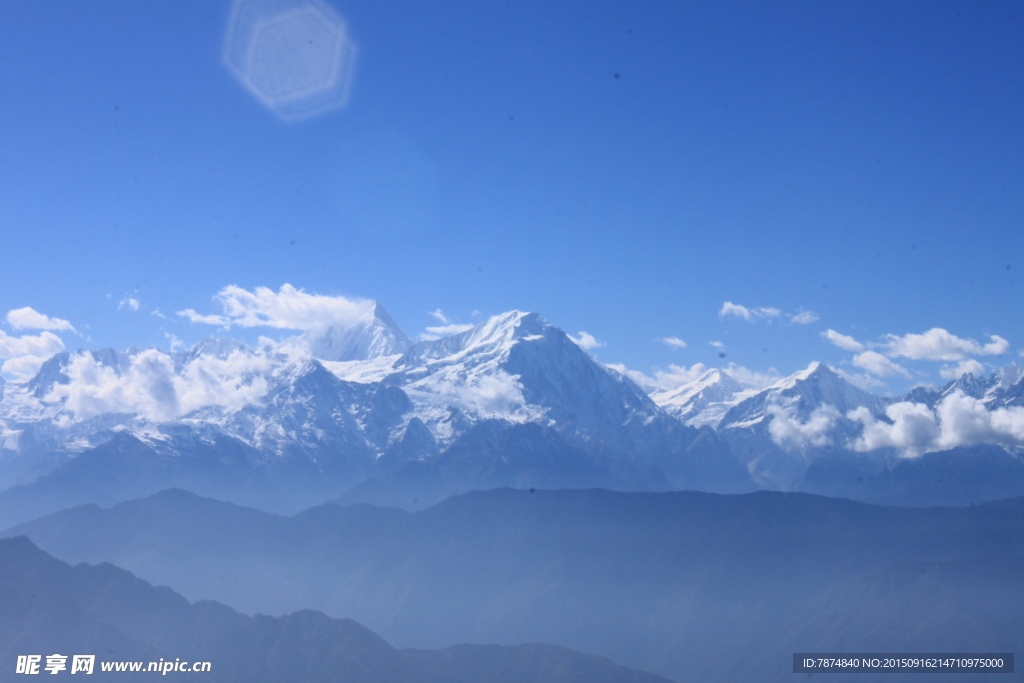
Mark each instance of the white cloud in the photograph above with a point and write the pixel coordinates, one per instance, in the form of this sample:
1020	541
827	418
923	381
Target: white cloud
173	341
938	344
445	331
587	341
958	420
842	341
45	344
672	342
30	319
913	429
804	318
441	317
717	344
22	368
752	379
204	319
643	381
729	309
129	302
288	308
677	376
152	388
861	380
788	431
961	369
877	364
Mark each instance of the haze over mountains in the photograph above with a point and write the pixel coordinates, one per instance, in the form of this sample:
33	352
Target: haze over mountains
693	586
414	486
359	410
50	607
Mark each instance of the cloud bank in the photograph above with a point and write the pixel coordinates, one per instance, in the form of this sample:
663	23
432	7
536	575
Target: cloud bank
288	308
958	420
150	386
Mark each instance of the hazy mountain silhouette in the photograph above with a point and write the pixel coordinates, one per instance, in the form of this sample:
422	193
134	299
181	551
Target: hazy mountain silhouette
53	607
676	583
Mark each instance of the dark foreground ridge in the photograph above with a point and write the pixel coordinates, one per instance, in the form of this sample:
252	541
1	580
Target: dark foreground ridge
694	586
48	606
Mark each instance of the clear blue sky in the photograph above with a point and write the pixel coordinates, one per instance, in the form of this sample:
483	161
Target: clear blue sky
622	168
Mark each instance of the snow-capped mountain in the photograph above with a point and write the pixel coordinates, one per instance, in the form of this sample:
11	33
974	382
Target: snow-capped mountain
309	418
1003	388
372	336
286	415
778	431
705	401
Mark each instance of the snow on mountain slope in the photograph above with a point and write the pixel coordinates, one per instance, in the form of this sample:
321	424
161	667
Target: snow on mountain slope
780	430
806	391
519	367
344	404
371	336
1003	388
705	401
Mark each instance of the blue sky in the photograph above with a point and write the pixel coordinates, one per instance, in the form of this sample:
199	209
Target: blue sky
621	168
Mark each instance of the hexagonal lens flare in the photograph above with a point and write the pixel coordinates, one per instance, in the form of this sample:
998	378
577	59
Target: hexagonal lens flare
295	56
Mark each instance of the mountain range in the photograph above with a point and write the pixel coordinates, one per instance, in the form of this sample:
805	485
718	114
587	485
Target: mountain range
51	607
692	586
360	412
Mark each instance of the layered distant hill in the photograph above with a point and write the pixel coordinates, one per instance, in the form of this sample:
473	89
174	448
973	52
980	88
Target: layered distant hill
364	413
50	607
690	585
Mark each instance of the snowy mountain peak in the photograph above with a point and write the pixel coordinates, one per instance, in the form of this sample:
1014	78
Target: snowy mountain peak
491	339
374	334
815	387
703	401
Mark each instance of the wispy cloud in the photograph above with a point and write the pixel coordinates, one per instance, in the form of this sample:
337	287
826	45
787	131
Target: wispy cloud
441	317
587	341
765	313
879	365
676	376
672	342
804	318
439	331
962	368
731	310
288	308
842	341
938	344
129	302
